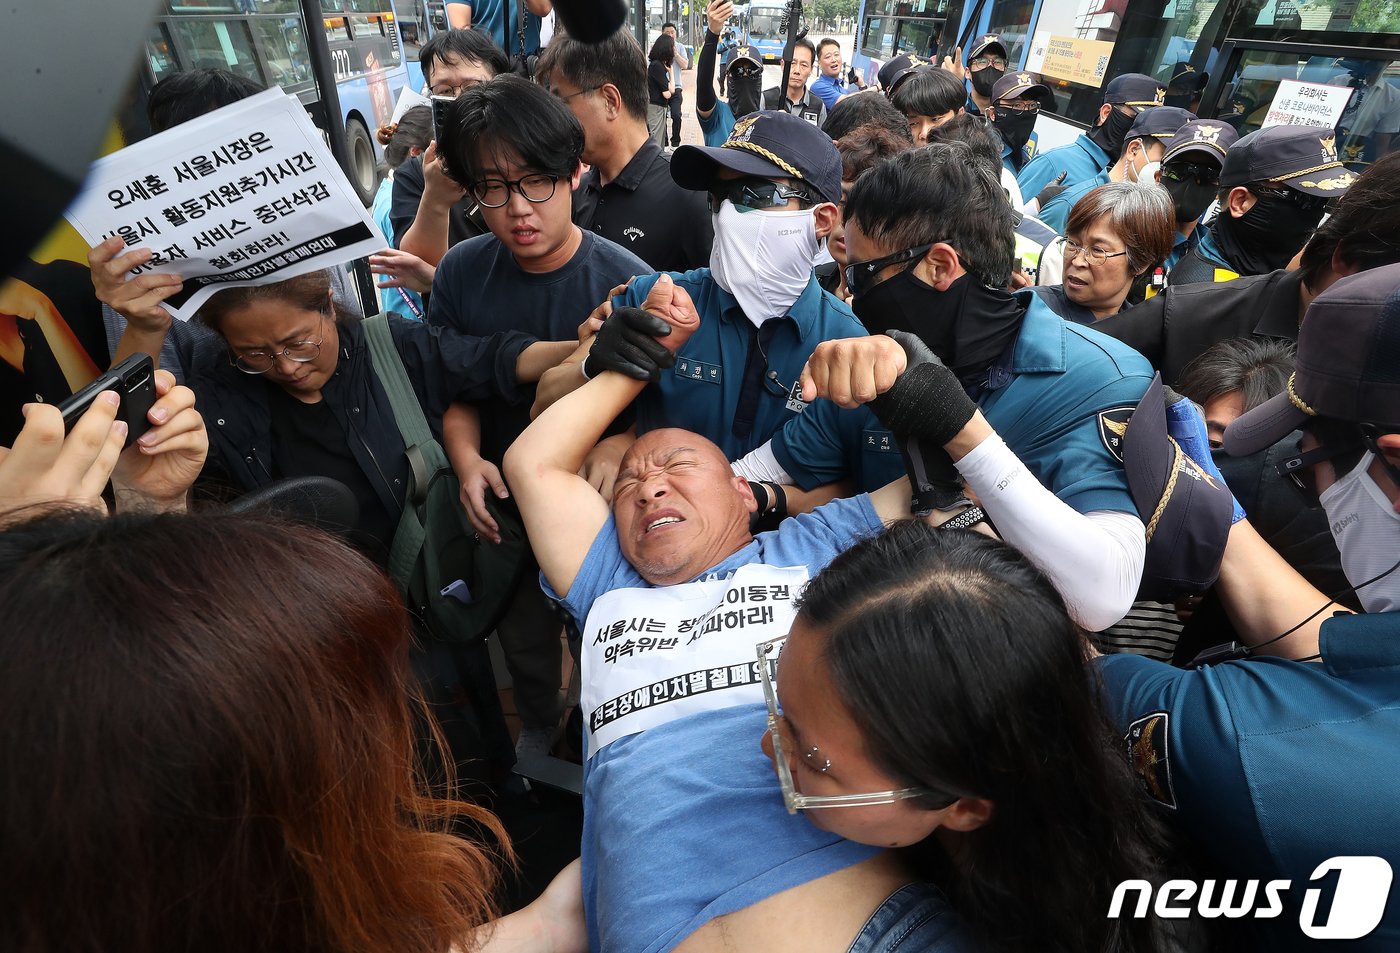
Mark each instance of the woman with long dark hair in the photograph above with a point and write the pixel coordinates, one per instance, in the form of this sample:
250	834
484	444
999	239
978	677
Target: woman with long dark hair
209	745
659	87
941	671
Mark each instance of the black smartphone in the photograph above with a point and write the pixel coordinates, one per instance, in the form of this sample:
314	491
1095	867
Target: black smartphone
134	380
440	106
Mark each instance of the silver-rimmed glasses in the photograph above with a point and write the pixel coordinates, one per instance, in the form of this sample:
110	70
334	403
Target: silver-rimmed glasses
260	362
793	799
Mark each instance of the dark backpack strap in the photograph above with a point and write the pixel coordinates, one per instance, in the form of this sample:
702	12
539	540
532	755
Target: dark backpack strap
425	455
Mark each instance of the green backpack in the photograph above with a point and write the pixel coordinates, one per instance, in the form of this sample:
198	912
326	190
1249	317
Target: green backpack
458	584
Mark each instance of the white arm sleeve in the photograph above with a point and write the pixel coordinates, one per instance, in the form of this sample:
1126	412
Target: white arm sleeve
762	466
1094	559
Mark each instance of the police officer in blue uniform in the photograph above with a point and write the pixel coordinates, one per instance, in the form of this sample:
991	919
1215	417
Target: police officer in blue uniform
1053	395
1274	186
774	186
1017	100
1272	764
1190	171
1096	150
1143	147
987	64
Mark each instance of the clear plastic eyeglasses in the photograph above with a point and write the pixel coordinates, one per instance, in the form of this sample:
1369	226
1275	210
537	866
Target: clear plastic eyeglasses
793	799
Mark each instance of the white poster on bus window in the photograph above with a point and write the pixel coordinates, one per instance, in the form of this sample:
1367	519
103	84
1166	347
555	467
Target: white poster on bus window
246	195
1307	104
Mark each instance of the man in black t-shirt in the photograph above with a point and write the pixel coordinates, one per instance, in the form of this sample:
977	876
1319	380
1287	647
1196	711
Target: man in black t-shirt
628	196
535	272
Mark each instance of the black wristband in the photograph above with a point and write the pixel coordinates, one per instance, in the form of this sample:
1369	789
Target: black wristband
967	519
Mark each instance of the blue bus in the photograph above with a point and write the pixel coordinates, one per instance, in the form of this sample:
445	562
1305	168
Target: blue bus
1239	53
266	41
763	23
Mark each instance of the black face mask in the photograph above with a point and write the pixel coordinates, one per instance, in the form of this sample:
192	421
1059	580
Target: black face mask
745	94
1266	237
968	326
1109	134
1015	129
1180	100
1189	199
984	79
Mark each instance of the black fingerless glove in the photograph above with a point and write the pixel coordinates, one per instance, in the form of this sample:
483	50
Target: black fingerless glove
1051	190
927	402
627	343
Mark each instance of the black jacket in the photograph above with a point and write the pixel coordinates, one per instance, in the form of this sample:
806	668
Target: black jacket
1174	327
444	366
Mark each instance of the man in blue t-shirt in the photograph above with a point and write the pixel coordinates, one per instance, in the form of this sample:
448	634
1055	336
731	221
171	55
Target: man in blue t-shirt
503	20
536	272
828	87
673	594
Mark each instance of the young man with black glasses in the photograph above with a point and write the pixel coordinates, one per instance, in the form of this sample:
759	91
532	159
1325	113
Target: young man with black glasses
517	149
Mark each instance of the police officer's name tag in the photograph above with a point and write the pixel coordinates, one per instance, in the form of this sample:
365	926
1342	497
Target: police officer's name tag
650	656
693	370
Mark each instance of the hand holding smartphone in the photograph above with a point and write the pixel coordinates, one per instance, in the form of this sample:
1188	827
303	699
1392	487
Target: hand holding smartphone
134	382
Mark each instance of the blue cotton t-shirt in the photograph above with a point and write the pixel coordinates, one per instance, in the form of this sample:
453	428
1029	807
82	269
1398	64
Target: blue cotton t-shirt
684	822
479	289
718	125
500	19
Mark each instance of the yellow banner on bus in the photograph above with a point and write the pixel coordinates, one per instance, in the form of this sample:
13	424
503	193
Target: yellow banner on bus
1069	58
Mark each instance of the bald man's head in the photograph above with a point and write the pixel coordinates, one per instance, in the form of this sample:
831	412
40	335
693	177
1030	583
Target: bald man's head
678	506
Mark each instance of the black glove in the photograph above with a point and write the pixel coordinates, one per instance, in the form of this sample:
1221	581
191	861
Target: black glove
927	402
627	343
1051	190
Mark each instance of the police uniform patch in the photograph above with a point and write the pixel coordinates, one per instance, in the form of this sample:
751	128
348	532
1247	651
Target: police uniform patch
1147	741
1113	424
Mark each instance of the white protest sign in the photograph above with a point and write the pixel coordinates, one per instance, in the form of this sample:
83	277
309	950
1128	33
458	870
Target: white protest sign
1307	104
246	195
650	656
408	99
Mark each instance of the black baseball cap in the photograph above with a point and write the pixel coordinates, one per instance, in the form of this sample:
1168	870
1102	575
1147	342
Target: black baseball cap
1016	85
1135	89
1188	511
891	70
1184	75
1301	157
1208	138
980	45
1348	364
770	144
744	53
1160	123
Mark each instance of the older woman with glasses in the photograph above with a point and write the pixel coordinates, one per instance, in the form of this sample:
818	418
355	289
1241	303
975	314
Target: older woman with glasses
1115	235
932	695
289	390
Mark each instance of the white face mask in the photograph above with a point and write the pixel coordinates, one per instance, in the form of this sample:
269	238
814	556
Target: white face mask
764	259
1148	173
1367	531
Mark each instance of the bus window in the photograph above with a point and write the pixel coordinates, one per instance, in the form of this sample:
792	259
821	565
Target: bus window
284	48
1010	19
879	37
1358	99
161	53
217	44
